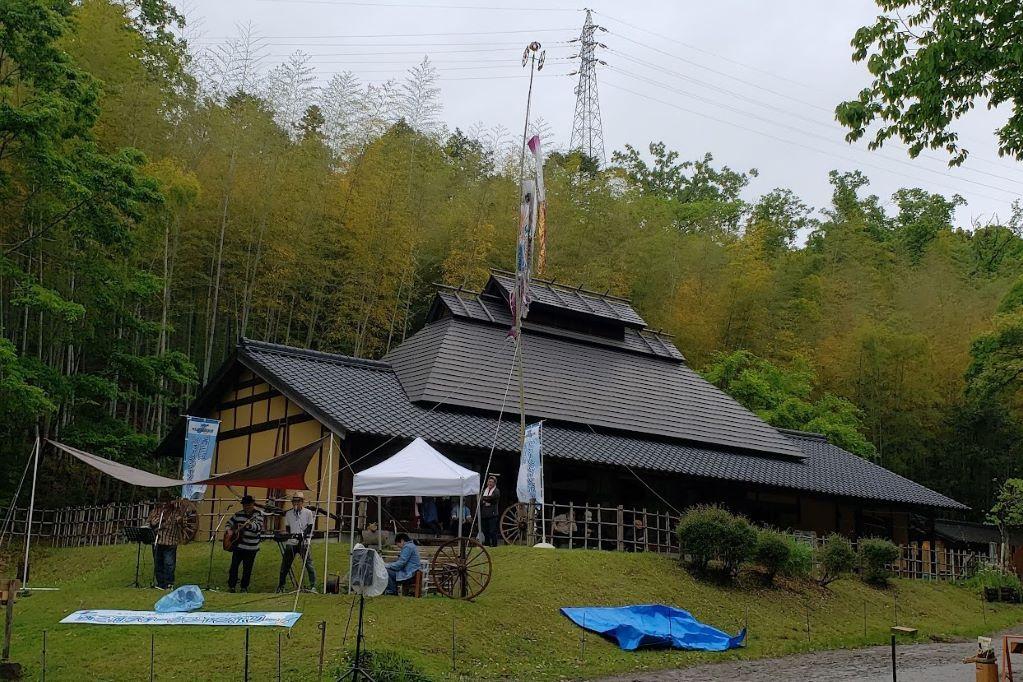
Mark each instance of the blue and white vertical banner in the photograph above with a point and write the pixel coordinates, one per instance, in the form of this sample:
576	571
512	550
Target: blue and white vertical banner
530	483
200	444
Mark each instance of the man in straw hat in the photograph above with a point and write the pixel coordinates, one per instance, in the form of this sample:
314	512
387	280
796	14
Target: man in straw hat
298	522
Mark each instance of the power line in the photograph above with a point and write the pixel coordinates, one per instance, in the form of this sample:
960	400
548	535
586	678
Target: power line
403	35
804	132
777	138
829	125
364	3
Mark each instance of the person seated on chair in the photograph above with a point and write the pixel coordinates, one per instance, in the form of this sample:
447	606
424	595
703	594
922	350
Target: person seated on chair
405	566
466	518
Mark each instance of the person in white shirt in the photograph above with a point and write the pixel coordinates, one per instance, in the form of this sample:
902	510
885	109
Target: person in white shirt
299	522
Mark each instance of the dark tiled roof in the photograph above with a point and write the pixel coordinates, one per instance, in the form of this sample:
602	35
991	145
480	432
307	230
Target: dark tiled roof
468	364
490	310
576	299
966	531
366	397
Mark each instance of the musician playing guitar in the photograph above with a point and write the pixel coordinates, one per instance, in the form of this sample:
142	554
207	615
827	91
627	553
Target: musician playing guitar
242	540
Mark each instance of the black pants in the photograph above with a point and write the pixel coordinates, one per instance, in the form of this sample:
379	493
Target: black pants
245	558
490	531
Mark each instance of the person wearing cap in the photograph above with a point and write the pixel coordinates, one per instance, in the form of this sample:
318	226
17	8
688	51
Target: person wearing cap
298	522
246	525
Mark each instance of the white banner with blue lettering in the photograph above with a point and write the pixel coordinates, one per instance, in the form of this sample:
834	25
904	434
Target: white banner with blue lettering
280	619
530	483
200	443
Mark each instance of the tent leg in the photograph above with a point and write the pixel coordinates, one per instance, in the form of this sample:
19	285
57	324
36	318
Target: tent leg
460	505
326	534
351	541
380	526
31	509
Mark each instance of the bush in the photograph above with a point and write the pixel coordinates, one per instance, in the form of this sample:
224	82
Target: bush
992	576
836	558
706	532
800	561
383	665
772	551
875	555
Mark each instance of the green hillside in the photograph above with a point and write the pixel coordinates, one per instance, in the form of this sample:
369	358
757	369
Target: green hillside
514	631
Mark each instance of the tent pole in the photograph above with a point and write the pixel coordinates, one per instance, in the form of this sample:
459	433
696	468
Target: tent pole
460	506
351	540
31	508
380	526
326	535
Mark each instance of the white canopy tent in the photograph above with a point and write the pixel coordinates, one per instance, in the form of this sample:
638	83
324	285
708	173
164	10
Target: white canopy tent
417	469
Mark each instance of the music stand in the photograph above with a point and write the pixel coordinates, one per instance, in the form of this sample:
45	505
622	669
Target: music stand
142	535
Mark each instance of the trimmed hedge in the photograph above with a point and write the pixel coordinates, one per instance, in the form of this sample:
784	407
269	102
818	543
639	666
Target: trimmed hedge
800	563
875	555
708	532
772	551
836	558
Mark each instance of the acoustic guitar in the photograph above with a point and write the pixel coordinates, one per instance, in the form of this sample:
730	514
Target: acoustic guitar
232	536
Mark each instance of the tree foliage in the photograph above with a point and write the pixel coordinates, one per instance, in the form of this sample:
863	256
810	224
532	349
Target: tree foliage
932	61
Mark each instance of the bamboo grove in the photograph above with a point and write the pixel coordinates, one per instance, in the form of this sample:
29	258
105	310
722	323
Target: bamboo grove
158	202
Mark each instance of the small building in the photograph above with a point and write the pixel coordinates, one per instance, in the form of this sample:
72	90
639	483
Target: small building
626	420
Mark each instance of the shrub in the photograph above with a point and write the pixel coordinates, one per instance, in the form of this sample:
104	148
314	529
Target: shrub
992	576
706	532
772	551
836	558
383	664
875	555
800	562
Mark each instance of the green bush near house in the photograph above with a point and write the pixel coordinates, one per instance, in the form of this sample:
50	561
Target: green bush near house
992	576
800	561
772	551
836	558
708	532
875	555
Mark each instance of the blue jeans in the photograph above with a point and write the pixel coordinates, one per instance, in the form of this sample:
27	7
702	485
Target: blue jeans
290	552
165	559
392	581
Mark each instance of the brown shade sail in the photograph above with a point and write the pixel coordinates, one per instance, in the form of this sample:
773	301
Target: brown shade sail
285	471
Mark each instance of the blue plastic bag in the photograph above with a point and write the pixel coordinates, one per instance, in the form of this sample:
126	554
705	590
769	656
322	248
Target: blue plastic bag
185	598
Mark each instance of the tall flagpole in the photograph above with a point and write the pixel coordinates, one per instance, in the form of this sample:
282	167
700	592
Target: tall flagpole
31	510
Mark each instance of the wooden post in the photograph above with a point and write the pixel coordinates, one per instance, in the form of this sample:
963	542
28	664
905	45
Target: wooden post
571	523
10	591
620	523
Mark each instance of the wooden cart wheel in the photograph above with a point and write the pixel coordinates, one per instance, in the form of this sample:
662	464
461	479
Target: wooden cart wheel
515	524
461	568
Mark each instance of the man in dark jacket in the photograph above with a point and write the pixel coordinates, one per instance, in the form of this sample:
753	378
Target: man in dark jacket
490	511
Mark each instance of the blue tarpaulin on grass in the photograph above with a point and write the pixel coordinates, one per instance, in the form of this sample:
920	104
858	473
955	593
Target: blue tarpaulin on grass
652	625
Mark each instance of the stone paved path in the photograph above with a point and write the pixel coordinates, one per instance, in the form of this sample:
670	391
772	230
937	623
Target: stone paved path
929	662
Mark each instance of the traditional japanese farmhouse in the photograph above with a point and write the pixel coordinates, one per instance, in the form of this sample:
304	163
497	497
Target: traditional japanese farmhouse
626	420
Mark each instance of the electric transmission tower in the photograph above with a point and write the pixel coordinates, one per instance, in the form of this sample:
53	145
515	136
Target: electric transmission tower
587	130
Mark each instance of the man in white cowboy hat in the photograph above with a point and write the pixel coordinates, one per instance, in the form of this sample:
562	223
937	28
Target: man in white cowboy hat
298	521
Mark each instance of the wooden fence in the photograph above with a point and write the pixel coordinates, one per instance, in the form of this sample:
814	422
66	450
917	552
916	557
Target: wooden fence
570	526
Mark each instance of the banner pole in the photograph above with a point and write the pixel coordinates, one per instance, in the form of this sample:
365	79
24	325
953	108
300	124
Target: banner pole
326	535
351	539
31	510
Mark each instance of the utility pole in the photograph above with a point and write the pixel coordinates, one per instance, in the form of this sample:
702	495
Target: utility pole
587	129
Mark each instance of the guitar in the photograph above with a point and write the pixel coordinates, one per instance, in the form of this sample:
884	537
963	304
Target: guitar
232	536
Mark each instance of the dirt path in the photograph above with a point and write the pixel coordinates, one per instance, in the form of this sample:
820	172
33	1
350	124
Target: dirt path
916	663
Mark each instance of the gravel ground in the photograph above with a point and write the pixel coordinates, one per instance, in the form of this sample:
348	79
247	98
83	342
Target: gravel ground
930	662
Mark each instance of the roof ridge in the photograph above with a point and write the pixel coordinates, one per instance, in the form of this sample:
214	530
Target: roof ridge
245	344
805	435
567	288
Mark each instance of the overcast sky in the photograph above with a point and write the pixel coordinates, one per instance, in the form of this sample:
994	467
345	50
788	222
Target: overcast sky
754	83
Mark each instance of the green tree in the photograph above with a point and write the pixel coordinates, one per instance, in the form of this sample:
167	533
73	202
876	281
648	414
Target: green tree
931	61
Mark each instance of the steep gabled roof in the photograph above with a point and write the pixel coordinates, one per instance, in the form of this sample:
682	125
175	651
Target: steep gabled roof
359	396
469	364
575	299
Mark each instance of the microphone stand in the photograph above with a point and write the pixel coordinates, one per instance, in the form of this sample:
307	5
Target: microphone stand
213	542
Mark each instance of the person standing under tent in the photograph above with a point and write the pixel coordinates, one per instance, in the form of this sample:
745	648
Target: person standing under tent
405	566
169	519
248	522
466	516
298	522
490	511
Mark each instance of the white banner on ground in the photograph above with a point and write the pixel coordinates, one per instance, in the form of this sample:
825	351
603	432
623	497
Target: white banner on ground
281	619
530	482
200	444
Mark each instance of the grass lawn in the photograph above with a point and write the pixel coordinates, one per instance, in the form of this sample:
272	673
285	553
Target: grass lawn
513	631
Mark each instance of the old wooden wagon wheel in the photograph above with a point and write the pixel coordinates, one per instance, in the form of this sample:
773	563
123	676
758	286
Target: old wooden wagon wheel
515	524
461	568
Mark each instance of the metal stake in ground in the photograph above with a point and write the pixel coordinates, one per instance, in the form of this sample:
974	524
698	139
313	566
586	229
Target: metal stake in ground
246	677
322	627
864	619
278	657
807	623
42	663
895	675
452	643
152	657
